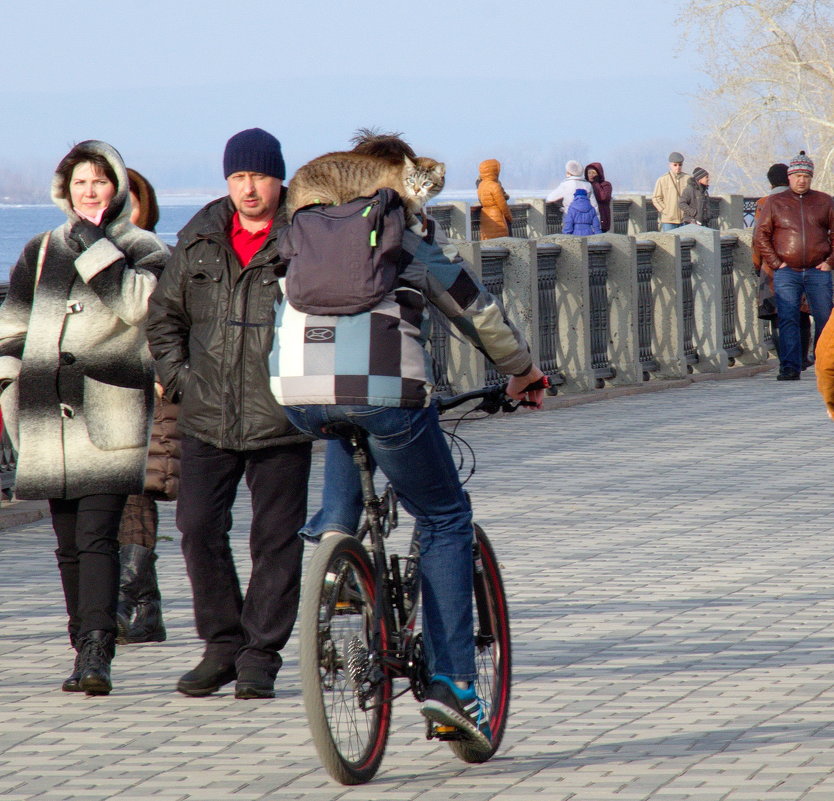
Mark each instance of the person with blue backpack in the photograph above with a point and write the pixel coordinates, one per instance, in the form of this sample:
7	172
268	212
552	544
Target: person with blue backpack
581	218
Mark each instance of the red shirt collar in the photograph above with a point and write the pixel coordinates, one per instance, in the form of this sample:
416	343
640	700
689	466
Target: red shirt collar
245	243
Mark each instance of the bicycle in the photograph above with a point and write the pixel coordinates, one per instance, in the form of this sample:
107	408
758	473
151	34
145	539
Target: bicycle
358	634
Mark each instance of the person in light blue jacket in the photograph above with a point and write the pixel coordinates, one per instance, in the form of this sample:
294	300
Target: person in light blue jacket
581	218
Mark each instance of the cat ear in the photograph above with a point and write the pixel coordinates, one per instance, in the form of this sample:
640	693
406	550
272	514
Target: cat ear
440	169
408	162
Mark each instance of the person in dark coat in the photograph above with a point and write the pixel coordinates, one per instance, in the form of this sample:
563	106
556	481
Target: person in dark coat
139	614
595	176
694	200
210	330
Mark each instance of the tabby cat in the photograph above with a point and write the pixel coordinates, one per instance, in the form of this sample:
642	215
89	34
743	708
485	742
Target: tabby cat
337	178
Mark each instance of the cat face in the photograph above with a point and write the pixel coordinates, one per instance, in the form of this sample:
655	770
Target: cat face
423	179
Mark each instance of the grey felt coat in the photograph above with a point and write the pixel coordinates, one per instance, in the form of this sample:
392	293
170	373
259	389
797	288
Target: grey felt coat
75	367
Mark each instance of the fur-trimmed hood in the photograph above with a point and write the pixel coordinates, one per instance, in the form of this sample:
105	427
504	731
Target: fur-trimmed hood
117	216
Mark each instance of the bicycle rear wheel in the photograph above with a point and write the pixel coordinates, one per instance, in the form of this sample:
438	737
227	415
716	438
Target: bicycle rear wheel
345	688
493	659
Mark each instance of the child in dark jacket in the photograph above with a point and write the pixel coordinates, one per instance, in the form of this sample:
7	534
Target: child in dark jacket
581	218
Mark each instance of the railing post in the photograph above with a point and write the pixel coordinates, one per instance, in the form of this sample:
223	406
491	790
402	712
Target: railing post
547	266
573	299
535	216
466	365
668	306
624	347
749	326
521	296
637	223
459	220
620	215
708	334
730	212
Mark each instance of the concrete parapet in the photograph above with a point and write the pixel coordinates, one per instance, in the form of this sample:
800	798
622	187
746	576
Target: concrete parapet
536	225
748	324
465	364
667	296
460	224
624	349
521	297
706	289
637	211
730	212
573	301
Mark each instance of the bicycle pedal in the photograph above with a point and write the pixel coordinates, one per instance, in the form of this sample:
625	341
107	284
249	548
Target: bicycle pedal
437	731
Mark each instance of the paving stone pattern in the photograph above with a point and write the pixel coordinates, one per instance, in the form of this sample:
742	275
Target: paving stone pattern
669	561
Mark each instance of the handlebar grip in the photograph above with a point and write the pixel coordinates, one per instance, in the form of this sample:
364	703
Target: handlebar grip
541	383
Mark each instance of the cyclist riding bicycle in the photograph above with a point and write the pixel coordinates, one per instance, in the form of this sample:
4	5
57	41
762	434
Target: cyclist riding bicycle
372	369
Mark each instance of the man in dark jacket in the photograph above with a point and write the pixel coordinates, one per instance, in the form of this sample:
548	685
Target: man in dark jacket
210	330
795	238
694	200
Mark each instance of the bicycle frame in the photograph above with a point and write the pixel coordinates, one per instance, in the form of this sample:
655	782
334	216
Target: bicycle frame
404	660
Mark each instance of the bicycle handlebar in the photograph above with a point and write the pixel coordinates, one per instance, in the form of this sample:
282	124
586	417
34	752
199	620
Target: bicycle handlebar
493	399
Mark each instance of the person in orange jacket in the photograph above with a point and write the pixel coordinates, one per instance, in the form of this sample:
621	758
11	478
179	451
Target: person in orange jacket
496	218
824	366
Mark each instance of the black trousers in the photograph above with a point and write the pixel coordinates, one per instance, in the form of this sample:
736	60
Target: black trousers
88	559
250	630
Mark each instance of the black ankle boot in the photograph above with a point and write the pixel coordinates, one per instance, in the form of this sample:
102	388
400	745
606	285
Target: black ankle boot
134	562
147	625
96	652
70	684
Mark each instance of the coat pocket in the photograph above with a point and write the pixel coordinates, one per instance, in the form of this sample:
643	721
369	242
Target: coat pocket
117	417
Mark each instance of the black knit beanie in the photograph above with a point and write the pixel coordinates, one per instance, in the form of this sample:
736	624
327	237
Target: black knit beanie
254	150
778	175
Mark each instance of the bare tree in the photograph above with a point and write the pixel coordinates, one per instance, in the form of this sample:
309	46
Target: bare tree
771	89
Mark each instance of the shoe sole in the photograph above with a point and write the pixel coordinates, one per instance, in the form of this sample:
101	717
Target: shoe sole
446	716
253	693
199	692
95	687
135	640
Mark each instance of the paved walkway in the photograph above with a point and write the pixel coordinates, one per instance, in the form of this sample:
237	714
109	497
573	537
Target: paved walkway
669	559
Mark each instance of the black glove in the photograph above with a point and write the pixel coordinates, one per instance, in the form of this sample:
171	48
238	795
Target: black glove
85	234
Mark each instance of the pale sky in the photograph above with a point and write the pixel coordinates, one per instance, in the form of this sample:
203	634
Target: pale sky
168	81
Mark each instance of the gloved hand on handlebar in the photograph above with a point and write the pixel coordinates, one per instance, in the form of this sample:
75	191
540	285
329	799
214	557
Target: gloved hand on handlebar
517	387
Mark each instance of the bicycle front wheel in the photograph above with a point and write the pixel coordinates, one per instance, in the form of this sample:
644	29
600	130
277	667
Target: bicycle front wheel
346	688
493	660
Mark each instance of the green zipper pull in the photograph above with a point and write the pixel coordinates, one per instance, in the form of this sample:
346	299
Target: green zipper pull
367	211
373	239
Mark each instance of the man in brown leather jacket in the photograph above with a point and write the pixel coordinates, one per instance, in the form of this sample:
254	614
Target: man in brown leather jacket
795	237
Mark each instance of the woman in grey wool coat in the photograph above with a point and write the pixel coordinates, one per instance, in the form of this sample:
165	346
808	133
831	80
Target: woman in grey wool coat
77	386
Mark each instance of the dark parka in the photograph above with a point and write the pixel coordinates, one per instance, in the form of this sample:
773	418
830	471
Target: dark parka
694	203
602	192
210	328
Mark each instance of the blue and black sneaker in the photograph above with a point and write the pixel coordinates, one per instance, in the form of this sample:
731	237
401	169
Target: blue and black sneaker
447	705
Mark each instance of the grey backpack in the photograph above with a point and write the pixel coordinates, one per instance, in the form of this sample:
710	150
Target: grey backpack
345	259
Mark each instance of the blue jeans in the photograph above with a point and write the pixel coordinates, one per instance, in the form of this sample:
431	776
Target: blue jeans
410	448
670	226
789	285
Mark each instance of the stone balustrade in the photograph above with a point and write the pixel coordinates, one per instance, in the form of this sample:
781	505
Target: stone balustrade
631	214
617	309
